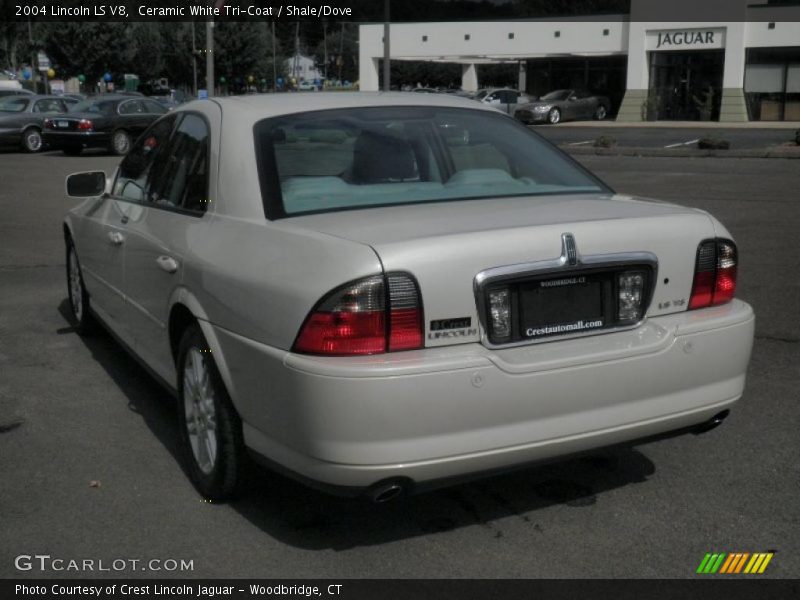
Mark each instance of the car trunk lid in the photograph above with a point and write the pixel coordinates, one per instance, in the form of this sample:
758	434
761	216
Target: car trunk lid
445	246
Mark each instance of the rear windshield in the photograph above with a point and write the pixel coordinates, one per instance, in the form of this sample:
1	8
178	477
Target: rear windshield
105	107
383	156
13	104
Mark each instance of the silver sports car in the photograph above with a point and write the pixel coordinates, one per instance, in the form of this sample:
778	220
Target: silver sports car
377	293
562	105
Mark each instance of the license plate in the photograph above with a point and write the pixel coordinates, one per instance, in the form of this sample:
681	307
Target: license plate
62	123
561	306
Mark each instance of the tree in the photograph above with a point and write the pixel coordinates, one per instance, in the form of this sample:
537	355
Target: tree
342	52
243	49
91	49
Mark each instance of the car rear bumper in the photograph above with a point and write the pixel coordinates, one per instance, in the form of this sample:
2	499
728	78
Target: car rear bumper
76	139
450	412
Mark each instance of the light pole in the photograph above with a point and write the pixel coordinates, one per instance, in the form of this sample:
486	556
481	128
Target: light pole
194	63
386	49
274	61
210	56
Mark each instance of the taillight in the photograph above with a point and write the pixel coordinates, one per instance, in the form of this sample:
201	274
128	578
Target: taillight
714	274
405	313
85	125
48	124
359	318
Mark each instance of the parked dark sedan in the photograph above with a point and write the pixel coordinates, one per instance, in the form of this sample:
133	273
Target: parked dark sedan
22	118
107	121
560	105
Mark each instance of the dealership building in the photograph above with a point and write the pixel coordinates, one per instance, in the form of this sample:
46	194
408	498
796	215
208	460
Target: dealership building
735	60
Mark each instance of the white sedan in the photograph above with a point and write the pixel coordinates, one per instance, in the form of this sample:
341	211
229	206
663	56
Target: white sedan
379	293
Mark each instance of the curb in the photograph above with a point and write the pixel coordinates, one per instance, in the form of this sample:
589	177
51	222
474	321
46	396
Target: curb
776	152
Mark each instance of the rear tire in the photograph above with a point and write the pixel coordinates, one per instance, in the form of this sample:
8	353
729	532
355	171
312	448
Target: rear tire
85	323
120	142
210	427
554	116
32	140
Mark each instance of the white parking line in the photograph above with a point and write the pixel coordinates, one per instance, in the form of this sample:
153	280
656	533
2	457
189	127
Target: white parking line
683	143
580	143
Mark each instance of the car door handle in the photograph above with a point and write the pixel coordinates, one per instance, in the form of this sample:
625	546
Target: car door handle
115	238
167	263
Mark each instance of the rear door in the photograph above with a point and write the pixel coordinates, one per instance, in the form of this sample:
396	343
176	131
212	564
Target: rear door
175	200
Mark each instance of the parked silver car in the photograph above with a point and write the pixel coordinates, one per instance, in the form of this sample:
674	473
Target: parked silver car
22	118
376	293
562	105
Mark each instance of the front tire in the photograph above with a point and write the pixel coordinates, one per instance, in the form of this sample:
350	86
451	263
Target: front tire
210	427
78	297
120	142
32	140
554	116
601	113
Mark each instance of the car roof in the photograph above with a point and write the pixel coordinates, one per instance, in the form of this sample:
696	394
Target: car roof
261	106
30	97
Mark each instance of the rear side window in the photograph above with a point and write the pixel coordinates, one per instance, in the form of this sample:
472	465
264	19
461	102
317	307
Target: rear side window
180	177
358	158
137	170
49	105
153	107
131	107
168	165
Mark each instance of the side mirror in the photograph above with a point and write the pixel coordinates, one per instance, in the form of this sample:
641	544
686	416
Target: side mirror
86	185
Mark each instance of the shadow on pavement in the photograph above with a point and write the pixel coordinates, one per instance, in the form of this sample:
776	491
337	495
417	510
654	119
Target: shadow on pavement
305	518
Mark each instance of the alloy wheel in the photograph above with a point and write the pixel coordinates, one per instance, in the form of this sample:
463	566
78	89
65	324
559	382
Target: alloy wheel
121	142
33	140
200	410
75	287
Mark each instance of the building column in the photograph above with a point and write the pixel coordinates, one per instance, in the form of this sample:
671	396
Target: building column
469	77
733	107
634	104
368	77
522	84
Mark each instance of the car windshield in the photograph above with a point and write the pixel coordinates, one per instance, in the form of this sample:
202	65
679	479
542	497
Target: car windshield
356	158
105	107
13	104
557	95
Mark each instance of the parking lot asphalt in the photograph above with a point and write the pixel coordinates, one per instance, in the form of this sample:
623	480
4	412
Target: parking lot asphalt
88	441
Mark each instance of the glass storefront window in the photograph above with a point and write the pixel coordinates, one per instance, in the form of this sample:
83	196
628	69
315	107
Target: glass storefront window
772	84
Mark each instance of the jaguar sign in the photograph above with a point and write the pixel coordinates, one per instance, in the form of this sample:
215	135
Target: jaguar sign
685	39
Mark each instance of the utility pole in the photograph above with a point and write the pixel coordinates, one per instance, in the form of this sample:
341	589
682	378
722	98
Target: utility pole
386	49
33	57
274	61
194	63
210	57
341	54
325	44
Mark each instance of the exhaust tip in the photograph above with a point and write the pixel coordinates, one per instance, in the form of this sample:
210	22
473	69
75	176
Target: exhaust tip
386	491
712	423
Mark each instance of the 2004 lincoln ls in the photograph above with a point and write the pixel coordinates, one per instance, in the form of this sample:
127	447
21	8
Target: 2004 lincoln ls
376	293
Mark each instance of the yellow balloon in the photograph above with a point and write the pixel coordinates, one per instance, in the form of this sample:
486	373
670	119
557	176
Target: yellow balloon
51	73
250	78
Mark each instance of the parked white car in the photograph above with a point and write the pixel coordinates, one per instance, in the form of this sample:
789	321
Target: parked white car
376	293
